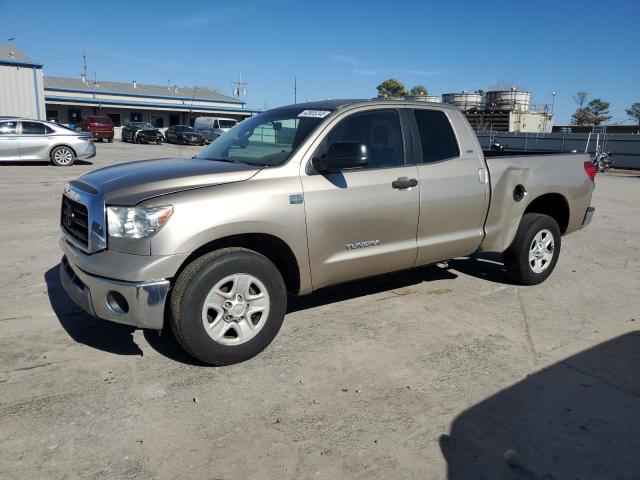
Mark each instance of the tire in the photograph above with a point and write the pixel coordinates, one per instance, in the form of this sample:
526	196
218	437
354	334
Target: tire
195	326
62	156
534	252
110	140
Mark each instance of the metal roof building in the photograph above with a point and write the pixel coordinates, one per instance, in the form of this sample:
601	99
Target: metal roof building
68	99
25	91
21	84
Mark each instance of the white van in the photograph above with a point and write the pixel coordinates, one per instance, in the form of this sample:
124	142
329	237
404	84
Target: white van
212	127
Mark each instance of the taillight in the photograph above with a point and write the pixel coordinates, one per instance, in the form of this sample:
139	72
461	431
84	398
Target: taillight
590	169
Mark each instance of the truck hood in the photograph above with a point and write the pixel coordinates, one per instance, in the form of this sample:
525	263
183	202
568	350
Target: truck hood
135	182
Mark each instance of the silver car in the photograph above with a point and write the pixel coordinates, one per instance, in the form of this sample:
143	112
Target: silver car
26	139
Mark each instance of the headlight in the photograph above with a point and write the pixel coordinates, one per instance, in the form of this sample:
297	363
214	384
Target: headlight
137	222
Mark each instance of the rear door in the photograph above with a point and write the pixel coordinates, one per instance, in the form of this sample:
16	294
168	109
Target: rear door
9	146
454	191
358	224
35	139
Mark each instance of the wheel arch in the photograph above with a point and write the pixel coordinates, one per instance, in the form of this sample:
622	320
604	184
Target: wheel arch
272	247
554	205
75	154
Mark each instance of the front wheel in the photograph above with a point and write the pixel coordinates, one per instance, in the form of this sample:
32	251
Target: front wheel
533	254
62	156
227	306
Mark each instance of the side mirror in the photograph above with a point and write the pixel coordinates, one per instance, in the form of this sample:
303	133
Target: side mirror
342	156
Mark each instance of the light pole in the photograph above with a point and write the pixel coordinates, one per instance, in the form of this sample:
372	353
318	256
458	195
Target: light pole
553	101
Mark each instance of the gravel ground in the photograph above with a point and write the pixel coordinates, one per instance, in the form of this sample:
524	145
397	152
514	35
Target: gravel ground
435	373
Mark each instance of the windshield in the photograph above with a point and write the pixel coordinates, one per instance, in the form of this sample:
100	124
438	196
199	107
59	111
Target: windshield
144	125
267	139
227	123
184	128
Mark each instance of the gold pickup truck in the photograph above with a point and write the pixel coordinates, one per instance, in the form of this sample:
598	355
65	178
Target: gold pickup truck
299	198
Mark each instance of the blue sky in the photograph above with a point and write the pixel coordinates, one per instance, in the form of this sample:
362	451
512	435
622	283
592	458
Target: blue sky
342	49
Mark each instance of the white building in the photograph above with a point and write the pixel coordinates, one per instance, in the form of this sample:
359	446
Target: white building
21	84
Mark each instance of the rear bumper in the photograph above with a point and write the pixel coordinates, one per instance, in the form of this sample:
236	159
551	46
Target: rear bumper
587	217
140	304
88	152
102	135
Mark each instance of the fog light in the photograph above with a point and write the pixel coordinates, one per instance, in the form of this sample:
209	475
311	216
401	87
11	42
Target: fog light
117	303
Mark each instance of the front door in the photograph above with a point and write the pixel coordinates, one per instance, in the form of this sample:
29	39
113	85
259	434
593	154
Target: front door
453	187
359	222
9	148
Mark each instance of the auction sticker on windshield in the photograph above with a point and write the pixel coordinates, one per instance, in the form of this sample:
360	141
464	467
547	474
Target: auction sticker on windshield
314	113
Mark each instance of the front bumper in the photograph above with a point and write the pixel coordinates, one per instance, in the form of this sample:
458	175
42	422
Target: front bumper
140	304
194	141
587	217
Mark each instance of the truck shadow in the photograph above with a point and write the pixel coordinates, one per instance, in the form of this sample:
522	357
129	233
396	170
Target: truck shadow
578	418
82	327
486	266
369	286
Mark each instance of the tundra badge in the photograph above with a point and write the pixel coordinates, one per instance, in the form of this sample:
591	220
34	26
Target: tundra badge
368	243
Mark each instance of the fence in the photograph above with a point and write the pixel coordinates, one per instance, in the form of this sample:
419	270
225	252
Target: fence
624	148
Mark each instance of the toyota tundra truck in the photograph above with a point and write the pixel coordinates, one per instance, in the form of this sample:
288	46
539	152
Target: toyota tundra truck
299	198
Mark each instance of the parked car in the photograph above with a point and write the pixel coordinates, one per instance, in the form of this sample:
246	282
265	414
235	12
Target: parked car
183	135
212	127
302	197
100	126
25	139
141	132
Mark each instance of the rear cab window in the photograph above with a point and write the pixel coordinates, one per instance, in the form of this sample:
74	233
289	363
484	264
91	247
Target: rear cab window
437	139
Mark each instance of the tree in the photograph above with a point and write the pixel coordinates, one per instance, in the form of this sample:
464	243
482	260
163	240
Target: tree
581	117
581	99
634	111
598	111
392	88
418	90
480	92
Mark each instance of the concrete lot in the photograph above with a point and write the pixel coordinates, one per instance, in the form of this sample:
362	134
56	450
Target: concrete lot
434	373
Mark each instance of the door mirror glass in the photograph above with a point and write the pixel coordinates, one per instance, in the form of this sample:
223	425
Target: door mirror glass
342	156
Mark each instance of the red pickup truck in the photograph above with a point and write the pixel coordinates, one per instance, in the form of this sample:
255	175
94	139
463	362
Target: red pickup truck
100	125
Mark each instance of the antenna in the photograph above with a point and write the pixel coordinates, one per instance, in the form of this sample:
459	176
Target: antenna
295	89
84	65
239	87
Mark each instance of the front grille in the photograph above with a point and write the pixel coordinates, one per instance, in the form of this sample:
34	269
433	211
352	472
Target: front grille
74	219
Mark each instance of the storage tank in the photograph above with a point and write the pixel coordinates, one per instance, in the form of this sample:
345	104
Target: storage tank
464	100
508	100
426	98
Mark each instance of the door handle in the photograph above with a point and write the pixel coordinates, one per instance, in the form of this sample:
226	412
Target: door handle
403	183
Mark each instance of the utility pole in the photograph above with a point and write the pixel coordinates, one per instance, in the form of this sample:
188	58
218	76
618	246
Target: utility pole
295	90
239	87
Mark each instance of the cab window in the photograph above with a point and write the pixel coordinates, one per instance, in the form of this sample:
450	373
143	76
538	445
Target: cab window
379	130
437	140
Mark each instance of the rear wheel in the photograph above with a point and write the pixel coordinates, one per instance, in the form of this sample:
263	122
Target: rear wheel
110	140
534	252
62	156
227	306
